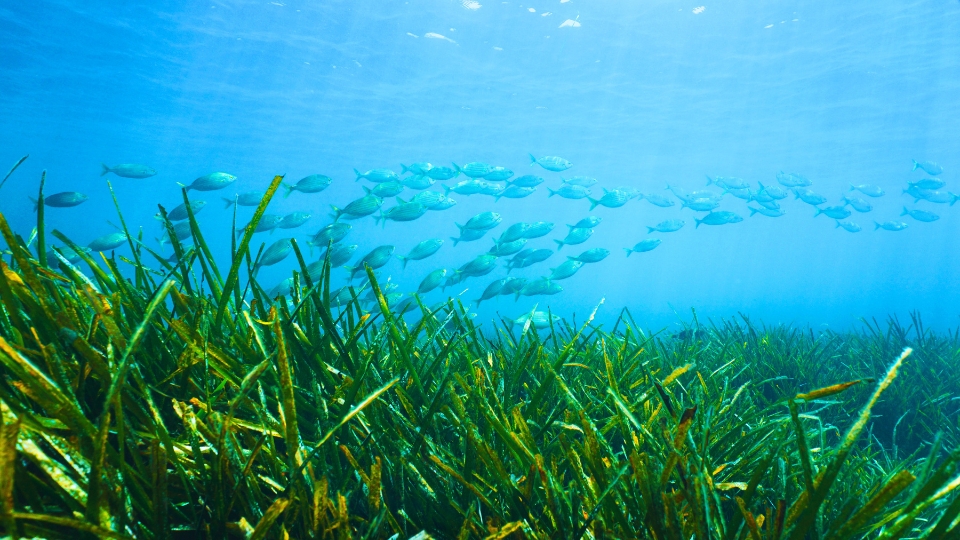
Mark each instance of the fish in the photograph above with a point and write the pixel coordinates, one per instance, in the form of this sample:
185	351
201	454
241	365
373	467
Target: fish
527	180
331	233
835	212
515	192
417	169
482	221
719	218
513	232
502	249
268	222
570	191
537	319
364	206
315	183
490	188
377	258
430	199
745	193
498	174
538	229
275	252
180	230
857	203
701	205
728	183
511	285
468	235
583	181
774	192
453	278
385	190
551	163
492	291
539	286
479	266
594	255
920	215
659	200
418	181
442	173
939	197
631	192
211	182
432	281
670	225
444	204
250	198
792	180
809	196
769	205
575	236
588	222
422	251
769	212
643	246
343	296
284	288
566	269
108	242
614	198
529	257
340	254
378	176
890	225
848	226
407	211
868	190
294	220
64	199
928	183
465	187
929	167
474	169
179	213
128	170
67	253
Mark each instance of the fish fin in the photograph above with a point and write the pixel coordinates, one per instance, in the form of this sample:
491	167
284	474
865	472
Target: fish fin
359	175
593	203
852	188
446	190
289	189
838	224
651	229
559	244
819	211
954	198
457	168
36	205
552	192
915	166
905	211
227	202
698	223
404	259
401	201
404	169
106	169
533	160
796	193
752	210
455	241
367	190
876	225
629	251
762	187
709	180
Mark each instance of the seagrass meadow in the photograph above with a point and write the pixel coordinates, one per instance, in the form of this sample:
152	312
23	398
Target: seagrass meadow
147	399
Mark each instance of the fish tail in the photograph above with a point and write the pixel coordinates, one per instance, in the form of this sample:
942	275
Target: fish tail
915	165
36	205
446	190
752	210
227	202
455	241
698	223
359	175
404	259
552	192
629	251
651	229
477	301
106	169
709	180
403	169
838	224
819	211
876	225
905	211
593	203
762	187
562	179
457	168
289	189
559	244
796	193
336	212
533	160
953	198
852	188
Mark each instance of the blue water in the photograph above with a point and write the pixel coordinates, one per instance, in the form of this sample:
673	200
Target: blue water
639	94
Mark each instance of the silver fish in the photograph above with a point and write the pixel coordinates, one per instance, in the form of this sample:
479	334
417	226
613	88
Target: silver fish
444	204
890	225
701	205
418	181
430	199
551	163
592	255
792	180
180	230
774	192
315	183
529	257
441	173
432	281
339	254
835	212
920	215
364	206
809	196
465	187
744	193
474	169
250	198
490	188
659	200
492	291
498	174
537	319
421	251
939	197
570	191
585	181
769	205
539	286
211	182
402	212
719	218
468	235
415	168
268	222
386	189
566	269
275	252
588	222
670	225
482	221
479	266
764	211
502	249
377	258
728	183
848	226
512	285
857	203
868	190
527	180
928	183
108	242
294	220
643	246
611	199
128	170
333	232
378	176
929	167
179	213
575	236
515	192
537	229
63	199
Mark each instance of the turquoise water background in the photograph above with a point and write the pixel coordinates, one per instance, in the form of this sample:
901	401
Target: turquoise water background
637	94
